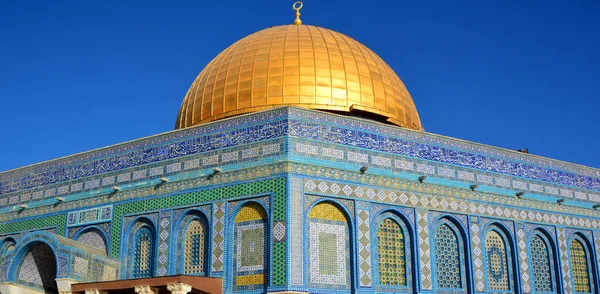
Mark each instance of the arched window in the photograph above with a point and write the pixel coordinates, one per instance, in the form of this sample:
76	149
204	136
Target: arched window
93	238
498	261
542	265
580	266
7	245
143	253
249	252
329	247
195	250
393	255
449	255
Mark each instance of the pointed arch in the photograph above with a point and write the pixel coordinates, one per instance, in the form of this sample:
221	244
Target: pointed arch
142	247
449	256
394	253
582	267
542	262
330	253
93	237
499	263
250	246
192	253
7	245
37	267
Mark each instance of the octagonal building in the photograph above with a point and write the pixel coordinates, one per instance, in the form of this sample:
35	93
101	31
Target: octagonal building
299	164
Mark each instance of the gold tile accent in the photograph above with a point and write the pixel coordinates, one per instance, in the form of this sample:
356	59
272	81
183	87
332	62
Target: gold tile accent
297	65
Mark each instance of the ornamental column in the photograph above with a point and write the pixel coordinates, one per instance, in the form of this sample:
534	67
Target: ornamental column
179	288
145	290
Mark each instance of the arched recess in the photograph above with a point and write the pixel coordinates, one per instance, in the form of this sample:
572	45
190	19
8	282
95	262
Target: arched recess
542	263
449	257
7	245
394	253
93	237
37	267
329	245
141	242
499	263
192	245
582	267
250	254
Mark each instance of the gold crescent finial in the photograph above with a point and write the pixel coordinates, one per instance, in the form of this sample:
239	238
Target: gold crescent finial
297	6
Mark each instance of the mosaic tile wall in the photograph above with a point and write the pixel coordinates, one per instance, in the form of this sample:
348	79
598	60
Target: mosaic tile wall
296	251
38	268
541	265
520	171
392	257
580	267
345	245
380	191
250	252
329	250
195	247
94	239
497	262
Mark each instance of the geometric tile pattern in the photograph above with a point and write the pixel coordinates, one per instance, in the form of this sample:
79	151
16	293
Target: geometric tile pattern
94	239
424	250
579	266
80	267
38	268
447	258
296	228
477	255
164	232
433	198
497	263
541	266
391	257
329	259
523	258
275	185
250	252
86	216
279	231
218	237
195	248
143	261
380	138
564	261
364	247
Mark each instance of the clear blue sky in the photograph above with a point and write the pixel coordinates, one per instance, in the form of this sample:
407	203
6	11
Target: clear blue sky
79	75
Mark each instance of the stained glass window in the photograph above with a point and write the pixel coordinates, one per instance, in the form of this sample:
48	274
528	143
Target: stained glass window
195	240
447	258
143	253
497	263
579	267
540	264
392	260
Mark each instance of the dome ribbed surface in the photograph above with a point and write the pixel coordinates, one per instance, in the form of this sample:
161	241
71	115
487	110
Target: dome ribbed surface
304	66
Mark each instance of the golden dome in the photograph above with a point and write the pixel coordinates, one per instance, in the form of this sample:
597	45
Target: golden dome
298	65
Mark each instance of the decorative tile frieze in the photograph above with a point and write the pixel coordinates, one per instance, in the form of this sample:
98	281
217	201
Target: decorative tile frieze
433	201
304	124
